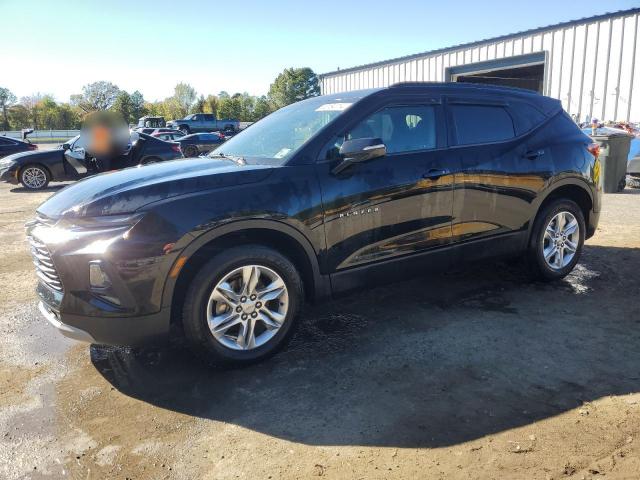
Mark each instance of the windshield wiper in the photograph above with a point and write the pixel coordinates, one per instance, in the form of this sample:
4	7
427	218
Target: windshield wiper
233	158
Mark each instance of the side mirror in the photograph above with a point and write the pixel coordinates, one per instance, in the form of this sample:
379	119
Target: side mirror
360	150
66	146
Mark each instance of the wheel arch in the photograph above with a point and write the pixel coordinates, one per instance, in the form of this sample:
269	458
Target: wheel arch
270	233
571	189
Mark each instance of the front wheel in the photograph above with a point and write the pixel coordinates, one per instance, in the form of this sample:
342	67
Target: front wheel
185	129
557	240
34	177
242	305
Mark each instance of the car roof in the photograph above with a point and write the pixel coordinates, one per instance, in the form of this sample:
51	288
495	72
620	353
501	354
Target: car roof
547	104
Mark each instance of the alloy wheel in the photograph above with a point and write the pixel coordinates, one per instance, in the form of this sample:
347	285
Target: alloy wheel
561	240
247	307
34	178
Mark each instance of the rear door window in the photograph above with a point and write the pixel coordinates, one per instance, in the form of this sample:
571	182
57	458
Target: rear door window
476	124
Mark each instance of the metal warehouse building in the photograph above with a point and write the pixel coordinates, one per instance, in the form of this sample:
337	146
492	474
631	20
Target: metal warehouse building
588	64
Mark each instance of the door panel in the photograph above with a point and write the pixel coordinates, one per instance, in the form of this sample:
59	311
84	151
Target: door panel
498	181
395	205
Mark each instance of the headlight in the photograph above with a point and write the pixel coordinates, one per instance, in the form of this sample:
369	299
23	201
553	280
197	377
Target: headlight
75	228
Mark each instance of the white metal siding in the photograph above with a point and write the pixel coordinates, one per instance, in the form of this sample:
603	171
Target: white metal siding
590	68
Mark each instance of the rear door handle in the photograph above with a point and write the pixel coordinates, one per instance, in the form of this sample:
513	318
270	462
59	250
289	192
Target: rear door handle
533	154
435	173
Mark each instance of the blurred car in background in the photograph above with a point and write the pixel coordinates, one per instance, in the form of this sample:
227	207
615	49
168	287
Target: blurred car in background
172	136
9	146
199	143
204	122
150	122
34	170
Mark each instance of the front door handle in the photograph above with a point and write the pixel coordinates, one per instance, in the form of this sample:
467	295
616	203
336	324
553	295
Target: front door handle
435	173
533	154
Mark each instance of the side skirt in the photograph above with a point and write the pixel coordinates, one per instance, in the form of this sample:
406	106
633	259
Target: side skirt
439	259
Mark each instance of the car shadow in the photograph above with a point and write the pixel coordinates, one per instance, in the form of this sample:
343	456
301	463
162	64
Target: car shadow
50	188
430	362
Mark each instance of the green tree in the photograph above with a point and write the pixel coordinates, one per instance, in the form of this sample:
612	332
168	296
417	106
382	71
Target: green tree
123	106
211	105
137	106
96	96
183	97
6	100
18	117
33	107
230	107
198	106
261	109
293	85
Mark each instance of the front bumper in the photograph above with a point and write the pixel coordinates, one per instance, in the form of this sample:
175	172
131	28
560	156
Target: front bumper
128	311
8	174
124	331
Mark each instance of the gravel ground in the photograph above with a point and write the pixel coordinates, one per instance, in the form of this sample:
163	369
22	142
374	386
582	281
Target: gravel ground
472	374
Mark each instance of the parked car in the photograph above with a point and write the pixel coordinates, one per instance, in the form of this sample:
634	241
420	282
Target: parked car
154	122
633	167
34	170
166	130
9	146
204	122
168	136
145	130
199	143
321	197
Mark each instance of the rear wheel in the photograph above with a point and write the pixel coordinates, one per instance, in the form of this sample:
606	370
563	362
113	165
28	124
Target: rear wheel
242	305
34	177
190	151
557	240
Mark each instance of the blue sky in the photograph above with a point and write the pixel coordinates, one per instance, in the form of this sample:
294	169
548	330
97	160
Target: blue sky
57	46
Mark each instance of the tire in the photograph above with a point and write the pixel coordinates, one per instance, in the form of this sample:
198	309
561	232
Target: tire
543	241
228	347
184	129
34	177
633	182
190	151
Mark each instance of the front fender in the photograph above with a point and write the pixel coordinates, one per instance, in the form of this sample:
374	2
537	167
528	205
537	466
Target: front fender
322	287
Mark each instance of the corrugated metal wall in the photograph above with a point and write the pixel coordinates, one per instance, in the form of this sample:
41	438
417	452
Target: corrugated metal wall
589	66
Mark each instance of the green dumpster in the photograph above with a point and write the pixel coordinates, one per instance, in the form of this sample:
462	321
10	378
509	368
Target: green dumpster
614	150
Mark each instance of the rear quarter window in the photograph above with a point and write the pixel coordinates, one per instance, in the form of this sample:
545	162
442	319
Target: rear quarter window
481	124
526	117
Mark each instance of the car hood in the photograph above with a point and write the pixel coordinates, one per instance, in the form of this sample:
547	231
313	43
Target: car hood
128	190
31	155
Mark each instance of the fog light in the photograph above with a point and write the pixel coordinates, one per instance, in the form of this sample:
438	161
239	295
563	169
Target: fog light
97	276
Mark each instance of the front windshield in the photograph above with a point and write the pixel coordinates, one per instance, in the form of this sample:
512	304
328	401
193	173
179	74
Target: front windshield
275	138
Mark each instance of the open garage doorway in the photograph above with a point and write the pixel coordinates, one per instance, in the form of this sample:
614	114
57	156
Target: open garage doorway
524	71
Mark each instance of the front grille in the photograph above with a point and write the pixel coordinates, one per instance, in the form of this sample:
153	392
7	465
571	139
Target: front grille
45	269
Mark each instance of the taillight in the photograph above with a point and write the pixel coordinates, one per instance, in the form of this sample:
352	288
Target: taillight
176	148
33	147
594	149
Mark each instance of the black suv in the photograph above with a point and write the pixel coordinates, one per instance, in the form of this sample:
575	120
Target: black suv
323	196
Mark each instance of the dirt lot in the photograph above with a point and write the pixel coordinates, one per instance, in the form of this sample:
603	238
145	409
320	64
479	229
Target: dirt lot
472	374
